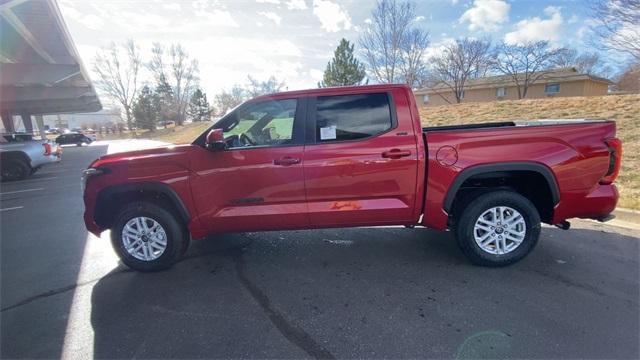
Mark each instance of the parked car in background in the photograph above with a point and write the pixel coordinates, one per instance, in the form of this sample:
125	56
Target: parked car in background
21	155
74	138
354	156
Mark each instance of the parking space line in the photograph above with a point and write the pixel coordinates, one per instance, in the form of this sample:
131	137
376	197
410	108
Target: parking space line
20	191
30	180
12	208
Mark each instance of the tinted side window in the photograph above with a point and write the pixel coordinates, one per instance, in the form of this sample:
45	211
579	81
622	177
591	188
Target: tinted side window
350	117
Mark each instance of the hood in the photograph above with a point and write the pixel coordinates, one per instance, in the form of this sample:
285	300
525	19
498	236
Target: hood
154	152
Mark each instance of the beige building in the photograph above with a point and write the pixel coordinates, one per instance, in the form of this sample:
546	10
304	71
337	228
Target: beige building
561	82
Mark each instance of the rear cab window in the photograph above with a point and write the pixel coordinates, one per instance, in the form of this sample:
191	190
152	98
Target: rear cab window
352	117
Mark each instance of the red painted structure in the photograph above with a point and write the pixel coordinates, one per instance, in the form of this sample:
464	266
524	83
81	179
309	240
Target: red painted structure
404	176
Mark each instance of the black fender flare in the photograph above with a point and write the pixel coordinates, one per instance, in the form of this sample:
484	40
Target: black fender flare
150	186
503	167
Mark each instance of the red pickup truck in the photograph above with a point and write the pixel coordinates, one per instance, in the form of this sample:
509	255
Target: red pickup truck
354	156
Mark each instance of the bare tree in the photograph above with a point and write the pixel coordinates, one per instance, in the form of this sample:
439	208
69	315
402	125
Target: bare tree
256	87
526	63
227	100
459	62
181	71
617	26
412	65
629	80
393	46
585	63
118	74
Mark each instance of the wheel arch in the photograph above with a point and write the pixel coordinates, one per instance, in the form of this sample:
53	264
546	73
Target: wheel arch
112	198
15	154
505	170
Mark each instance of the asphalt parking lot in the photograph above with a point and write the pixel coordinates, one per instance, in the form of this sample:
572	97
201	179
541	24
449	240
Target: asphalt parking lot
338	293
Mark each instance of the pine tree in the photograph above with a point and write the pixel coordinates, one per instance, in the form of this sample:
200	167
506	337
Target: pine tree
166	102
146	109
344	69
199	108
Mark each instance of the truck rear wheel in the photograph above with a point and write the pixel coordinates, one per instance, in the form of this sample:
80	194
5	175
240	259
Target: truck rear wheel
498	228
14	169
147	237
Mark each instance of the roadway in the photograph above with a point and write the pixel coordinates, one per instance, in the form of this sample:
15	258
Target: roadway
337	293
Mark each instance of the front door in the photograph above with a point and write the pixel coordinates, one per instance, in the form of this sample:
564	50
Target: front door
360	163
257	183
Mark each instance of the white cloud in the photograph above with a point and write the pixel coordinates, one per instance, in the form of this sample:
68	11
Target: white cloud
438	48
537	29
218	17
316	74
453	2
486	15
419	18
172	6
244	56
331	15
90	21
275	2
296	5
573	19
271	16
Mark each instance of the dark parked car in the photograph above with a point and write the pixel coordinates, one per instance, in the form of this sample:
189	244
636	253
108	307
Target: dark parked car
73	138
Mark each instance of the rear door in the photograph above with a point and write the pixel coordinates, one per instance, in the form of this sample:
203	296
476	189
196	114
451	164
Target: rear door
361	160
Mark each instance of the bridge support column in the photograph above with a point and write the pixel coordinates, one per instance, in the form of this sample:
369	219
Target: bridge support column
26	120
7	121
40	125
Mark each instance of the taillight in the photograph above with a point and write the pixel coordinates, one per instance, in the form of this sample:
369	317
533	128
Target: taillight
47	148
615	157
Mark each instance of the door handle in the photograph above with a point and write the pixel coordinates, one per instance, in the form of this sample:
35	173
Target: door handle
396	153
286	161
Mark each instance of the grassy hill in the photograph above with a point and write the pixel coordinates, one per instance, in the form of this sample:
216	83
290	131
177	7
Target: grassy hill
624	109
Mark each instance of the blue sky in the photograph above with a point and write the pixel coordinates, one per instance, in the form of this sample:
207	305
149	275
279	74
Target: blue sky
294	39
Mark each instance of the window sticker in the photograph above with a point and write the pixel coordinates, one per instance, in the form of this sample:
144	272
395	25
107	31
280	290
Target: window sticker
328	133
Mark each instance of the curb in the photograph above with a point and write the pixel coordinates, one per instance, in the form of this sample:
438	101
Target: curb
628	215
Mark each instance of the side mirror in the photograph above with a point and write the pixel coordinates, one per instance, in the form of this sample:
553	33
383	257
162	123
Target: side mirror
215	140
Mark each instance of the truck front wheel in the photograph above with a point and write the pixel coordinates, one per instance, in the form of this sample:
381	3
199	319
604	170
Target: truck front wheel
147	237
498	228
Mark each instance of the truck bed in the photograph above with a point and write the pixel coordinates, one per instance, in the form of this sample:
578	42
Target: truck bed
453	149
540	122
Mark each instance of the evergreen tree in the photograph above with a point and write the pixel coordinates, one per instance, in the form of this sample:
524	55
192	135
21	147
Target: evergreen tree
166	102
344	69
199	108
146	109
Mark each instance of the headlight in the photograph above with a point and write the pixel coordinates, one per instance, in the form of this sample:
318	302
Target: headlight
90	172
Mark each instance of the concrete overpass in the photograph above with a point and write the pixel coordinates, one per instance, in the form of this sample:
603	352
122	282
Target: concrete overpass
40	69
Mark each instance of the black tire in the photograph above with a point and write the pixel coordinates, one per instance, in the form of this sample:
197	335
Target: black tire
15	169
464	229
177	236
79	144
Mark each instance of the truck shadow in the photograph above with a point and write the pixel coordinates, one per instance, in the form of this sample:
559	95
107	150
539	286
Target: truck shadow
374	292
